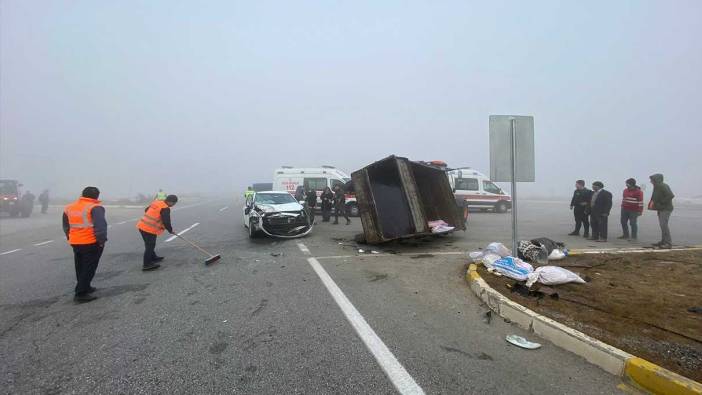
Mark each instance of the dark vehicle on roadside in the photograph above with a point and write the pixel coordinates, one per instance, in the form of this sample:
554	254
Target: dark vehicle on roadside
11	199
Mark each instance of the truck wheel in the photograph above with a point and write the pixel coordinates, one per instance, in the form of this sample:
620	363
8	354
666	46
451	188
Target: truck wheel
352	209
501	207
252	230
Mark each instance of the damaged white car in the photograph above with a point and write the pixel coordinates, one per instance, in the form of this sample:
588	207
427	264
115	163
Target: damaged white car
276	214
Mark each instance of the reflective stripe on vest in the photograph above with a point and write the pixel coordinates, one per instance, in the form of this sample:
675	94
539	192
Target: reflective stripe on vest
151	221
80	221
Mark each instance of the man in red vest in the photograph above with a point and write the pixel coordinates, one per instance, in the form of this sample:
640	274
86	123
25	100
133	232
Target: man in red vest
156	219
86	230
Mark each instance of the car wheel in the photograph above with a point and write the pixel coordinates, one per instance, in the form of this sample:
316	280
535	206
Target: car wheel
501	207
252	230
352	209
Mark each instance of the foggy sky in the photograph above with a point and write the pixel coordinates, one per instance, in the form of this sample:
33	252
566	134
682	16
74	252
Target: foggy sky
132	96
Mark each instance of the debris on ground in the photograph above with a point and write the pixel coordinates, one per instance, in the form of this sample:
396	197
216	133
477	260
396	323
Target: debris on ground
276	253
522	342
487	317
513	268
439	226
552	275
643	303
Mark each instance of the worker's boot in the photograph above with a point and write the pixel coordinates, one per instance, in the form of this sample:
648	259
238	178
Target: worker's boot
348	222
574	233
84	298
151	266
158	259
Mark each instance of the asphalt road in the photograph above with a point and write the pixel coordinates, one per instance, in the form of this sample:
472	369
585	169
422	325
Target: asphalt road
262	320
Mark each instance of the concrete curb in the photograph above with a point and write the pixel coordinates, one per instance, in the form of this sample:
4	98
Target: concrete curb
645	374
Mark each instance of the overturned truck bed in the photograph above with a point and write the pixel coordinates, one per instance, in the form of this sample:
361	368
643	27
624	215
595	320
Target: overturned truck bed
397	198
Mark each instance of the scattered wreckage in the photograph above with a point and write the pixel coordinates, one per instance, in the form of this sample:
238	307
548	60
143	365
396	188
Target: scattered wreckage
276	214
398	198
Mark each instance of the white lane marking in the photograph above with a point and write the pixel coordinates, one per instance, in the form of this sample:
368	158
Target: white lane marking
44	243
182	231
223	208
123	222
403	382
11	251
303	248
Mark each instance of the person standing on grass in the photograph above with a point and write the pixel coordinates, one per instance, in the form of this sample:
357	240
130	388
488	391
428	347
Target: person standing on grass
632	207
580	204
600	206
662	202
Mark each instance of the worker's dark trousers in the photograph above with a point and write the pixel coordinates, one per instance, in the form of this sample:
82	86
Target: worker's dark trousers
44	208
340	209
599	226
581	218
86	258
149	247
326	213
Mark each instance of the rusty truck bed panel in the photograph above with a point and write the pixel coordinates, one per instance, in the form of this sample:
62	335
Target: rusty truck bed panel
397	197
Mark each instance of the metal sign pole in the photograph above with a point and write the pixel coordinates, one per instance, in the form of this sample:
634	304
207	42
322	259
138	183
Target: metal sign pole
513	157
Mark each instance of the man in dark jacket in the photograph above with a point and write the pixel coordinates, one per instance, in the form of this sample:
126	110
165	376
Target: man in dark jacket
340	205
580	204
662	202
600	206
311	202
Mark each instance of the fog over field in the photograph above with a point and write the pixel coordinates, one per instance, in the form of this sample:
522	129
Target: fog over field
132	96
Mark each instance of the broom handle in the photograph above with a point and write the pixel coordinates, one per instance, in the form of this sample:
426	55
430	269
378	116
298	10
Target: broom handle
195	245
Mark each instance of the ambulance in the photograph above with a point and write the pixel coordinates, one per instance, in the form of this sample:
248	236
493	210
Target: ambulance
288	178
475	190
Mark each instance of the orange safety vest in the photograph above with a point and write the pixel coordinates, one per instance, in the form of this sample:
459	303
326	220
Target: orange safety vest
80	221
151	222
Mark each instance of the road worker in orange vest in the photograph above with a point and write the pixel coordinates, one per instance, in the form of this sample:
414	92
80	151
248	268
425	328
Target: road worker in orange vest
156	219
86	230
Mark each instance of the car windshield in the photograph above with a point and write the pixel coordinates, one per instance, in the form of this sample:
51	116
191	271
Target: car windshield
346	179
8	187
274	198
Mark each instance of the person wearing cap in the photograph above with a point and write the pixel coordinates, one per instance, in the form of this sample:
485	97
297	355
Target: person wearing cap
632	207
86	230
156	219
600	206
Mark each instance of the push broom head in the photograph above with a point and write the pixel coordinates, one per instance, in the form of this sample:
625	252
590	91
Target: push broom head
213	259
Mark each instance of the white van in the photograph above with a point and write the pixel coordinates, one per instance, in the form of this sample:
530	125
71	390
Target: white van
289	179
475	189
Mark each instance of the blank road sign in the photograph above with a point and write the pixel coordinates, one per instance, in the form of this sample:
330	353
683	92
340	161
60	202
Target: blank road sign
501	147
